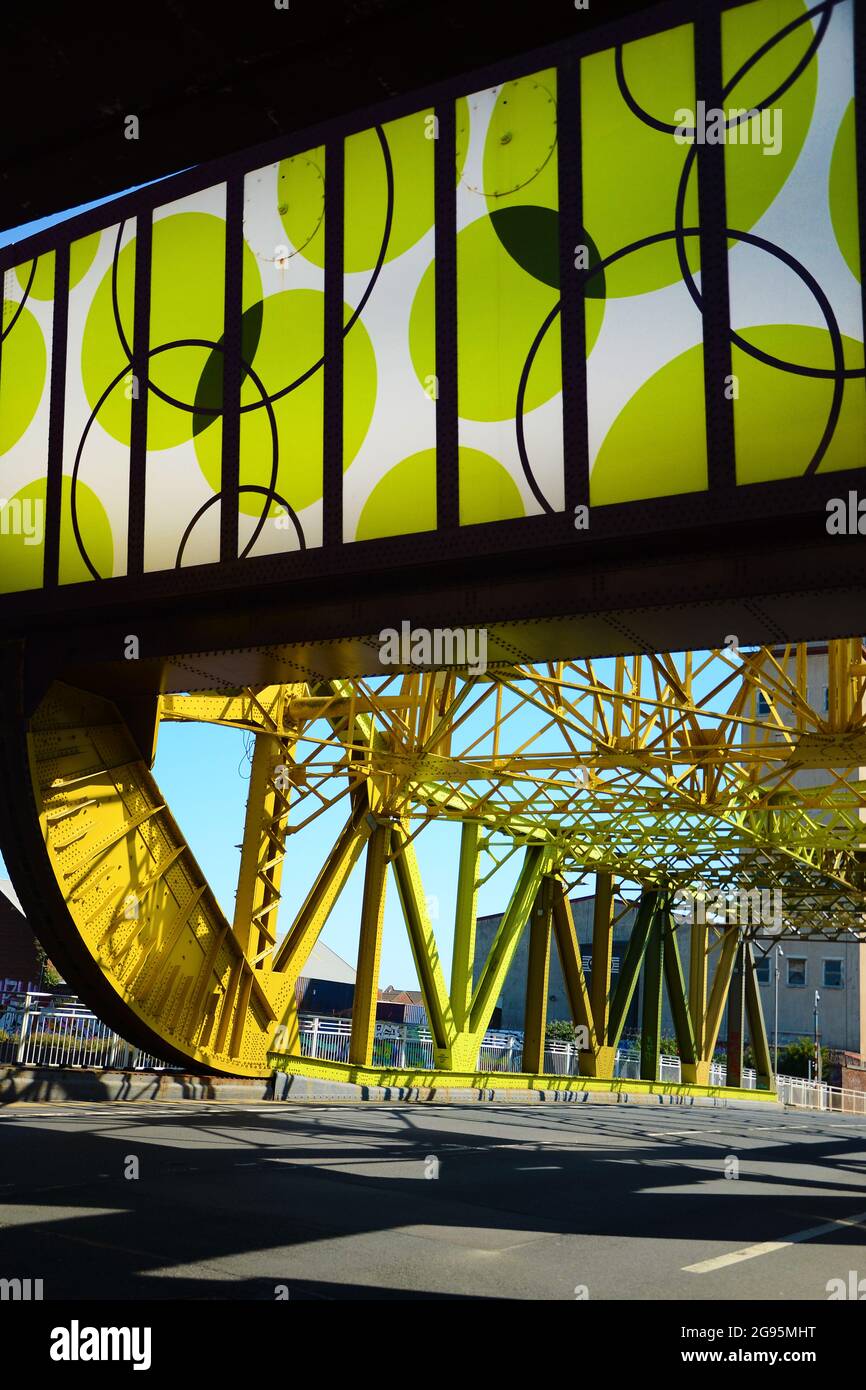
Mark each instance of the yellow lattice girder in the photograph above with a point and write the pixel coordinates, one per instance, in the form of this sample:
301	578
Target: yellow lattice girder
657	771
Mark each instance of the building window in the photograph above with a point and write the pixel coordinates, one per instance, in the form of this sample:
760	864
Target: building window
832	973
797	972
762	970
763	705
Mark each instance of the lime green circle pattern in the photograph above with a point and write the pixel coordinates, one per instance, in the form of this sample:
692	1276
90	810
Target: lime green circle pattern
631	172
81	257
292	340
301	191
779	419
780	416
24	368
188	260
520	144
754	179
21	564
843	192
500	310
301	203
404	500
637	459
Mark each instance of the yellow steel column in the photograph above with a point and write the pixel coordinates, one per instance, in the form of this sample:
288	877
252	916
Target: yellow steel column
572	966
424	948
369	948
757	1027
697	1073
258	893
304	932
463	957
535	1013
718	995
492	978
601	1062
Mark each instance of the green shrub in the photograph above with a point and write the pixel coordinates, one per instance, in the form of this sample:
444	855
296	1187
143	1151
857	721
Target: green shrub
794	1058
560	1030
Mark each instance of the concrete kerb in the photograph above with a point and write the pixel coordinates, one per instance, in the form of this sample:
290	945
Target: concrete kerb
65	1084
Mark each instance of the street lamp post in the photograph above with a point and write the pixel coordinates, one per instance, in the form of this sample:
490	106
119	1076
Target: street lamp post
817	1040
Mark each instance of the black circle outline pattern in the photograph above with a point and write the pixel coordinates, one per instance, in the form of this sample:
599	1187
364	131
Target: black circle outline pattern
838	373
265	400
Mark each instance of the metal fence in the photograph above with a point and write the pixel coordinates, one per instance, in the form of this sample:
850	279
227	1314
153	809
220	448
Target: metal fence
51	1030
816	1095
59	1031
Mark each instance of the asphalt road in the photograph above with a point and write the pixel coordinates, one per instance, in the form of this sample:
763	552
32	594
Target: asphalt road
605	1202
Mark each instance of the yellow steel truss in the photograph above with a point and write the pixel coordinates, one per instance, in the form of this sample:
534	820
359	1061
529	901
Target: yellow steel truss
655	774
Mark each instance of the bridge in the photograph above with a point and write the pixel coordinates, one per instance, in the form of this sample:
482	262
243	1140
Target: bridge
544	358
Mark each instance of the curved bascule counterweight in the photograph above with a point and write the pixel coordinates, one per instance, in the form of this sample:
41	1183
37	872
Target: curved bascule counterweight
668	781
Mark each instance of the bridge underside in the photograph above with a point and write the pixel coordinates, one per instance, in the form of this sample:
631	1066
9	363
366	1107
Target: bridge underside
689	790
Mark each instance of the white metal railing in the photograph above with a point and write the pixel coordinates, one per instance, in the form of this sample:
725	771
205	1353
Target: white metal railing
40	1029
48	1030
817	1095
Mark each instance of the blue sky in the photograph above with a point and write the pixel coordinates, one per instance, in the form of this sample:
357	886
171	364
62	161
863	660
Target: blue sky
26	229
202	771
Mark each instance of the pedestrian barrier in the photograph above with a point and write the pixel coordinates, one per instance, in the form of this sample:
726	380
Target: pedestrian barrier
43	1029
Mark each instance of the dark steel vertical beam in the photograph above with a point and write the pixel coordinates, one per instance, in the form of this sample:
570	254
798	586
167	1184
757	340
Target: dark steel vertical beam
140	367
332	390
537	972
712	205
232	371
575	409
447	406
57	414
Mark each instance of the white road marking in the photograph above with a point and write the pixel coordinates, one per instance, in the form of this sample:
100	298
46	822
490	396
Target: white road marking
767	1247
663	1133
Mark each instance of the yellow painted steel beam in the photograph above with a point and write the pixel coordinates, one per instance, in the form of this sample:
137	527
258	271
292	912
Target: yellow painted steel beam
630	966
505	941
290	956
678	998
667	770
440	1085
263	850
734	1043
719	992
572	965
422	939
757	1024
369	948
463	954
698	963
601	1062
